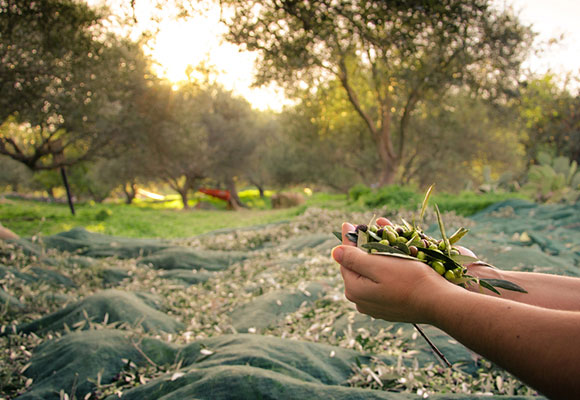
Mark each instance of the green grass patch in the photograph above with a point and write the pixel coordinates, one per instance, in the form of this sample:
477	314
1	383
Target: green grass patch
153	220
403	197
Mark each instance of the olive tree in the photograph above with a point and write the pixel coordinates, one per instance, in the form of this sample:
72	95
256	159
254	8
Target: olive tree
387	56
68	85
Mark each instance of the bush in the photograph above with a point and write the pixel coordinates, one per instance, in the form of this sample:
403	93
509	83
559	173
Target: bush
400	197
358	191
469	203
393	196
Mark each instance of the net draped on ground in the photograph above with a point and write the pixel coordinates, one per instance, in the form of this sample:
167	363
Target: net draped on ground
249	313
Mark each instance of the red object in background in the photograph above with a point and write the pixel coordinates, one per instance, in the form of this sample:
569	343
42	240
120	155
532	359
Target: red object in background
220	194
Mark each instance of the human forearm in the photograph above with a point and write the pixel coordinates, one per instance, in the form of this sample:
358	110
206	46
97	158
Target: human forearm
536	344
544	290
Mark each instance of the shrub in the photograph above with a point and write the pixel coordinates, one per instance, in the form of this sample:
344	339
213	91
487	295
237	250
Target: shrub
358	191
393	196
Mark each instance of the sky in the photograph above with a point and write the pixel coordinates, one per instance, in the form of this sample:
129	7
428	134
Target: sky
180	43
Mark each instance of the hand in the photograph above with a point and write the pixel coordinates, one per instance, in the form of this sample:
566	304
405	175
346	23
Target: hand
385	287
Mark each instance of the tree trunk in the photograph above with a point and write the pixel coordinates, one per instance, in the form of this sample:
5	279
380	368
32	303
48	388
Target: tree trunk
130	190
68	191
388	172
234	203
184	198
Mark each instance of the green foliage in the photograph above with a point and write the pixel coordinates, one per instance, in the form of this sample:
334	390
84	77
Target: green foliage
70	86
393	196
551	118
358	191
469	203
403	197
14	176
385	61
553	180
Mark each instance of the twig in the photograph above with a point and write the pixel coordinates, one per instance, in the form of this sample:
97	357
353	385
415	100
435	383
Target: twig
433	347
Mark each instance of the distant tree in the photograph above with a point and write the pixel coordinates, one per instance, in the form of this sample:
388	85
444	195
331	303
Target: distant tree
258	170
232	128
14	176
456	142
180	147
68	85
551	119
388	56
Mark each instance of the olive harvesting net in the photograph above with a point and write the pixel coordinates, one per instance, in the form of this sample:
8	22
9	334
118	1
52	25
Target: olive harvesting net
247	313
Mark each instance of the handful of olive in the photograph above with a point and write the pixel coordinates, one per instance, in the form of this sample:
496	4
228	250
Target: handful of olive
407	240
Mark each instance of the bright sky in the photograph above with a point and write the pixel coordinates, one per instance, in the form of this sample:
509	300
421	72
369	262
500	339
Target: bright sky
552	19
181	43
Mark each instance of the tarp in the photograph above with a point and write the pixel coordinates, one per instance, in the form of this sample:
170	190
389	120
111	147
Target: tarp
249	313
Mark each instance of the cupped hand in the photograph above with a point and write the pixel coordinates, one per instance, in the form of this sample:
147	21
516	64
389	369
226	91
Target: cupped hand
389	288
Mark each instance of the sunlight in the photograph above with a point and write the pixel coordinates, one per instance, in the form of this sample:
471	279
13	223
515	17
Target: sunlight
180	44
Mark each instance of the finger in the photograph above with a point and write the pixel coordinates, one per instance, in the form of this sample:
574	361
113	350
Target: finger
356	286
382	221
346	228
465	251
358	261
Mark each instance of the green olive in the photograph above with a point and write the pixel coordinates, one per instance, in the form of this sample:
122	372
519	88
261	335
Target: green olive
392	237
421	256
438	267
450	275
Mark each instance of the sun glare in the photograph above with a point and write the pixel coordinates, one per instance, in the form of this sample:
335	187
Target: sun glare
180	44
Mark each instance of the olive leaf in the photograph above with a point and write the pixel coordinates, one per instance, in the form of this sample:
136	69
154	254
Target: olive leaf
447	261
337	234
463	259
458	235
425	203
374	236
361	239
353	237
383	248
442	229
503	284
407	225
489	286
400	255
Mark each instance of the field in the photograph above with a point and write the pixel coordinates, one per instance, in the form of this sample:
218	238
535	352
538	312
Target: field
213	303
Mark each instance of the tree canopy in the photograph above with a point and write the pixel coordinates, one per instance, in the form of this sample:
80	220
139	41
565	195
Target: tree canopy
387	56
67	84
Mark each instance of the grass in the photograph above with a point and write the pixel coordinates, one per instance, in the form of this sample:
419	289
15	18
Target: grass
147	219
167	219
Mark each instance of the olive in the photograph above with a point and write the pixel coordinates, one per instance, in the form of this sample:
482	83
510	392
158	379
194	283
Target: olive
413	251
442	245
392	237
402	239
361	227
421	256
399	230
381	233
385	242
438	267
454	252
450	275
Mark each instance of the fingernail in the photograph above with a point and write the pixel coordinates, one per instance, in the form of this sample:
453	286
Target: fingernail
337	253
